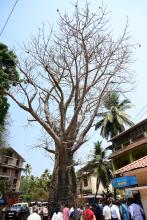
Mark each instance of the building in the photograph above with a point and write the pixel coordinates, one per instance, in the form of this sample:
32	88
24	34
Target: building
129	160
86	184
11	165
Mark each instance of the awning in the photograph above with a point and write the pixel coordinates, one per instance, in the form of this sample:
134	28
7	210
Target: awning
90	196
138	188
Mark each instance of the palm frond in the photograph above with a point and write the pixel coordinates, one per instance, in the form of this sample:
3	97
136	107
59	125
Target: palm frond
125	104
99	124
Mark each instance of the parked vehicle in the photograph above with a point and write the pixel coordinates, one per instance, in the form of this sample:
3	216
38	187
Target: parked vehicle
23	204
17	213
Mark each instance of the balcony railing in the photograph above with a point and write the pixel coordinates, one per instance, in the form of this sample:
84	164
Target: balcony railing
4	160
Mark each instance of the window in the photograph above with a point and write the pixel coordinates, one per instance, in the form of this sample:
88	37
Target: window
6	160
4	170
14	181
85	180
16	171
17	162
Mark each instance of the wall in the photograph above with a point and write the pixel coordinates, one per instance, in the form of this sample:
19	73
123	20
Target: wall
143	194
140	174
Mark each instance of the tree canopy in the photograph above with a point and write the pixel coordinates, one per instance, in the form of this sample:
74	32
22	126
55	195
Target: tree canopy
66	75
5	186
8	77
33	187
114	119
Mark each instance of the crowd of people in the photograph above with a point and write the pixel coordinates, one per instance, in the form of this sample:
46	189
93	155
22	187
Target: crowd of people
109	209
38	214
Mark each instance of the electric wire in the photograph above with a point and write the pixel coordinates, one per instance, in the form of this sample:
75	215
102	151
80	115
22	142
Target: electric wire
8	17
142	115
138	114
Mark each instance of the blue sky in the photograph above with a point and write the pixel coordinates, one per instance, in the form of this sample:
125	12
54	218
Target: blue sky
31	14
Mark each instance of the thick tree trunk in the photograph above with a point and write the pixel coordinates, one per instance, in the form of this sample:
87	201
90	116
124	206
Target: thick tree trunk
63	184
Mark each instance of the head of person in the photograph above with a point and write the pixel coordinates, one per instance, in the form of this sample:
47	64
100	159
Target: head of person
72	206
61	207
66	205
116	202
130	201
106	202
123	201
87	205
35	209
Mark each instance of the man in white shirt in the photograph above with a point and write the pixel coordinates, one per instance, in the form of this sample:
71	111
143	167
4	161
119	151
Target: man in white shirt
107	211
45	213
34	215
115	214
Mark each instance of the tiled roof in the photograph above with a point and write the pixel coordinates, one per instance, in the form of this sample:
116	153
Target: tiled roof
142	162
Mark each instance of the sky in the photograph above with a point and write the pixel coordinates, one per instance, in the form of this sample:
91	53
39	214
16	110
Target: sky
26	18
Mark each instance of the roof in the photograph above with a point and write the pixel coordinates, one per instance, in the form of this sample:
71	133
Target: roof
13	151
128	130
141	163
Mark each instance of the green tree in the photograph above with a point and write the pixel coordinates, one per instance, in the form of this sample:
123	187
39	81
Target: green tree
8	77
101	166
5	186
45	179
114	118
28	170
36	187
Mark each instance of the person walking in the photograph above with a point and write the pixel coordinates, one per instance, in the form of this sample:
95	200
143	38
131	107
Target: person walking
58	215
106	211
65	212
45	213
98	210
135	210
34	215
124	211
75	214
115	214
88	214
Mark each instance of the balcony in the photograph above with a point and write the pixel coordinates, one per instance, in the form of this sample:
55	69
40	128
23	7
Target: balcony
130	147
10	162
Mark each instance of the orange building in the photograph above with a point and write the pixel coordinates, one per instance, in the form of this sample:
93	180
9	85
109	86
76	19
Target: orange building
129	158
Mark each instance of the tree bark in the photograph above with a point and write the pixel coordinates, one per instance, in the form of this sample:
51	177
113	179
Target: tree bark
97	187
63	184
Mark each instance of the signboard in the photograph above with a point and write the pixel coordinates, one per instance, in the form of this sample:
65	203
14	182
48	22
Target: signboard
124	181
2	202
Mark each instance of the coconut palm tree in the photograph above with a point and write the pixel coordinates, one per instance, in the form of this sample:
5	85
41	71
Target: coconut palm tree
28	170
101	166
115	118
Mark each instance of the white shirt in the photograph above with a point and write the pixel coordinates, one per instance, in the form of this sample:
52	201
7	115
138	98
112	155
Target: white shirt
115	212
34	216
107	212
71	210
58	216
45	211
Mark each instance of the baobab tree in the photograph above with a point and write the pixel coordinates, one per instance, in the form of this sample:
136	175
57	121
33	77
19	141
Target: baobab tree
65	77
